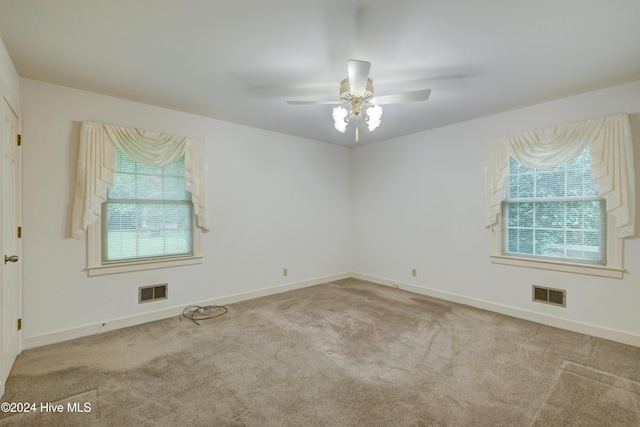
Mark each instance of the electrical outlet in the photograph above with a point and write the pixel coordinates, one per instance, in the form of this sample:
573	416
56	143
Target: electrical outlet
414	272
285	272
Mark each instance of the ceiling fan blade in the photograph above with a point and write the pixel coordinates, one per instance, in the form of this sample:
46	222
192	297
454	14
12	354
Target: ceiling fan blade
418	95
358	76
314	102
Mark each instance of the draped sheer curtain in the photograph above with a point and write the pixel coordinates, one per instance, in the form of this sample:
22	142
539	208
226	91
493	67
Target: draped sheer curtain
97	165
611	148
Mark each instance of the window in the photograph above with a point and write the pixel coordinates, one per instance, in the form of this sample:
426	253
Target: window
555	213
141	197
568	201
146	222
148	213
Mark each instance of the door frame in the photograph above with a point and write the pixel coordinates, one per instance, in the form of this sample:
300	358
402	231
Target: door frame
5	96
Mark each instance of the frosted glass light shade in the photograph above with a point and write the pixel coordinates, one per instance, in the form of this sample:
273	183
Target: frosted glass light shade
374	115
340	119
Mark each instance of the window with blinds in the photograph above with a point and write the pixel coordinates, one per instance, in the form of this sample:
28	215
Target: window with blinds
148	213
555	213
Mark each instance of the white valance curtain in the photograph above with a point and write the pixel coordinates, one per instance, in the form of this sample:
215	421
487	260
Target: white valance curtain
97	165
611	149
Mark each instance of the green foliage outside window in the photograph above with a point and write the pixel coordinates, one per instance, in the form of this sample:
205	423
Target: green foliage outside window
555	213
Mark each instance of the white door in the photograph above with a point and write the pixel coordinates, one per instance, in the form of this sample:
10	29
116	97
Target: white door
10	262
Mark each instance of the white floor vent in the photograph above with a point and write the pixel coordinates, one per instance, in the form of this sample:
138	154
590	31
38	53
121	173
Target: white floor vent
550	295
152	293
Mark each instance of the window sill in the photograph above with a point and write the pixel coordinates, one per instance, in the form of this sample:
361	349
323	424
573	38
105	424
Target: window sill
589	269
100	270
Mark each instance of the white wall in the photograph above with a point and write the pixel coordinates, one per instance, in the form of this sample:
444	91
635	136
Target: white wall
8	73
320	210
275	201
418	203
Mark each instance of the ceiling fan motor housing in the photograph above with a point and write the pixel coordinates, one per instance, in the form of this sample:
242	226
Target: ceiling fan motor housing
345	91
356	102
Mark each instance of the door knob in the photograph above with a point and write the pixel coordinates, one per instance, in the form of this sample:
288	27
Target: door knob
12	258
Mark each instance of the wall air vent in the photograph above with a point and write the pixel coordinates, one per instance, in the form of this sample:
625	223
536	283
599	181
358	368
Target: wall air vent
550	296
152	293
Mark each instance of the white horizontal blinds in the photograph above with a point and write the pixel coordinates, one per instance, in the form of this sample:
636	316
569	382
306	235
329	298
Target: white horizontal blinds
148	212
555	212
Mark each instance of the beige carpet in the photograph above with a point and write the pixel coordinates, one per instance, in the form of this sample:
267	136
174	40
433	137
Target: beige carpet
347	353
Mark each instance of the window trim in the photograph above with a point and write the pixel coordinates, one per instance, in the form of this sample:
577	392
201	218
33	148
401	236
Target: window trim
612	269
95	267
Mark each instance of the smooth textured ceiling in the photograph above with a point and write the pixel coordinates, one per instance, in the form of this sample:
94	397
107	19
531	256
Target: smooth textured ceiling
239	61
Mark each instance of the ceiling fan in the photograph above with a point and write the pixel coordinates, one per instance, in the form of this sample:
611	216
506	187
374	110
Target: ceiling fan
356	93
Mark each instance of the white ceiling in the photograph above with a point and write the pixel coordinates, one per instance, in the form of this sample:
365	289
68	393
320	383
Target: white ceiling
240	60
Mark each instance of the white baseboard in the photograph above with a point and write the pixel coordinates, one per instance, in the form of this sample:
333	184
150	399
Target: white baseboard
137	319
545	319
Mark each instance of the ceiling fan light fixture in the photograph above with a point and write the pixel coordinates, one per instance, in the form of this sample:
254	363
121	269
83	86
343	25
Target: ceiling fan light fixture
357	103
357	99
